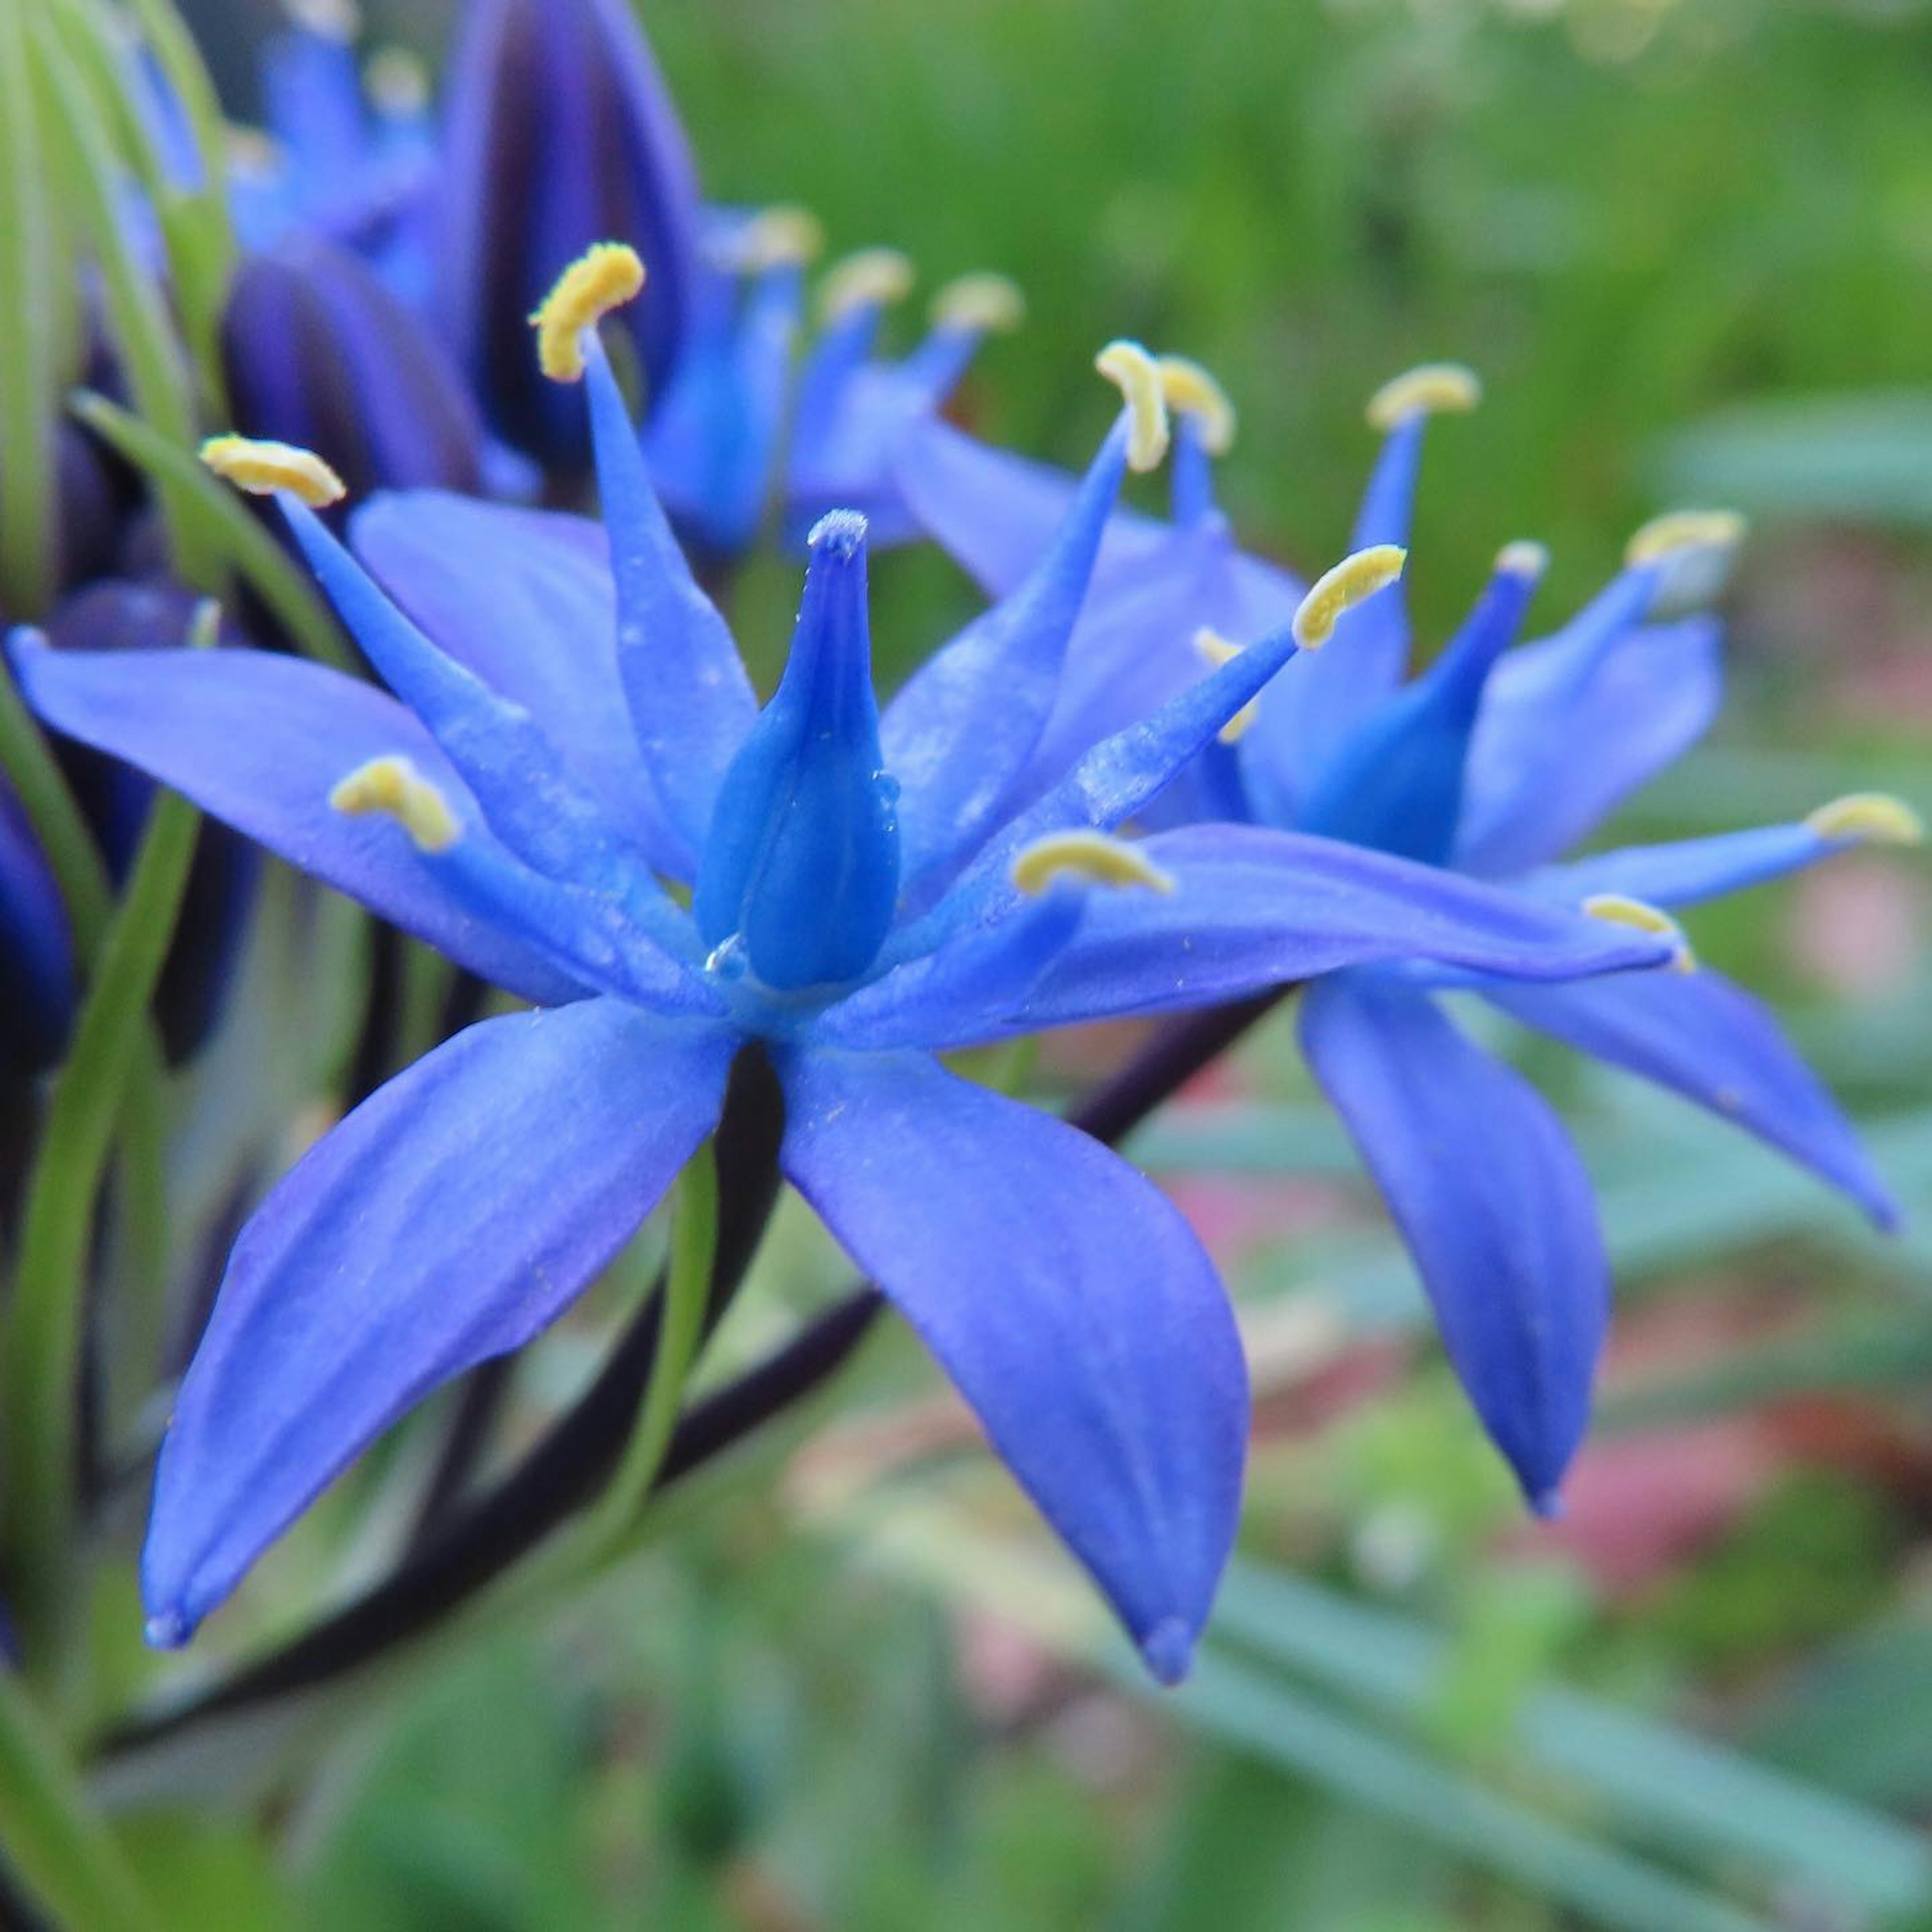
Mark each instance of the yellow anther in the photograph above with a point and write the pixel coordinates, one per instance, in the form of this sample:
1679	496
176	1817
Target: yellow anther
1342	588
1137	375
872	277
1435	388
988	304
1683	530
262	468
606	275
1619	909
783	237
1217	651
333	20
1191	391
1523	559
397	82
393	787
1089	856
1875	816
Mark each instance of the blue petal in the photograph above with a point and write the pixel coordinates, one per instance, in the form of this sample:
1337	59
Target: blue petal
453	1214
1068	1301
959	736
691	703
966	993
1493	1202
524	598
506	759
800	873
312	98
37	986
993	513
1687	870
711	441
260	741
1707	1038
1570	726
1252	908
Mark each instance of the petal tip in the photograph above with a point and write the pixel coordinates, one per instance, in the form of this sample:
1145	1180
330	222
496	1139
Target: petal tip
1168	1651
1547	1505
168	1629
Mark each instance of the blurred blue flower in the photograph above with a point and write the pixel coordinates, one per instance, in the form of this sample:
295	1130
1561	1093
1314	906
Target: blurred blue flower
1492	762
864	892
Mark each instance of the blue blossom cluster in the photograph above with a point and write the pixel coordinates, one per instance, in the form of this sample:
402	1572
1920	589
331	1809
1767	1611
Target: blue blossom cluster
1159	774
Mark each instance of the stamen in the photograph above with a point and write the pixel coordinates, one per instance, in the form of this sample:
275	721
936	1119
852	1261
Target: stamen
394	787
604	277
1684	529
252	154
261	468
332	20
783	237
1218	650
1137	375
1435	388
1621	910
987	304
873	277
1523	559
397	82
1875	816
1340	590
1191	391
1091	856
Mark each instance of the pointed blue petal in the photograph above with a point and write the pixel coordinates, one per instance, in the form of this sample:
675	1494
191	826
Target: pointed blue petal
1493	1205
969	992
800	873
1068	1301
260	741
1704	1037
450	1216
960	734
1572	725
691	703
1252	908
523	599
1687	870
506	759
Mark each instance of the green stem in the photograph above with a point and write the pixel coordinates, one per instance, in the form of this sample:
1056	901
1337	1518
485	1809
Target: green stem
61	1850
39	1372
28	532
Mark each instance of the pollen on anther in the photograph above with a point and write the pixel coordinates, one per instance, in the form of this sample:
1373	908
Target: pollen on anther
261	468
1217	650
1338	591
1620	909
1137	375
393	787
1192	392
1877	818
1434	388
1523	559
604	277
1681	530
1092	857
872	277
331	20
782	237
984	302
397	82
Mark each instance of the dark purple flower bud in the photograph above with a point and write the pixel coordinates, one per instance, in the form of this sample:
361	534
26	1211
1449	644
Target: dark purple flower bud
561	133
115	799
318	353
37	990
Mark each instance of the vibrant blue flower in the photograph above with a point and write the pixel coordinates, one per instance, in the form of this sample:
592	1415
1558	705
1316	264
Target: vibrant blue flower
1491	762
866	892
560	129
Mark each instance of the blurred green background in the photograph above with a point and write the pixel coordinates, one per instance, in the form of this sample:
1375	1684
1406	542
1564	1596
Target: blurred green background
1688	246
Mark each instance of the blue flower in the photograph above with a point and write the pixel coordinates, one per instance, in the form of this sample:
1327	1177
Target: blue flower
1491	762
865	892
560	129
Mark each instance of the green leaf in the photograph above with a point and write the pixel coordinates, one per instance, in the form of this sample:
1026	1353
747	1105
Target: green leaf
28	536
